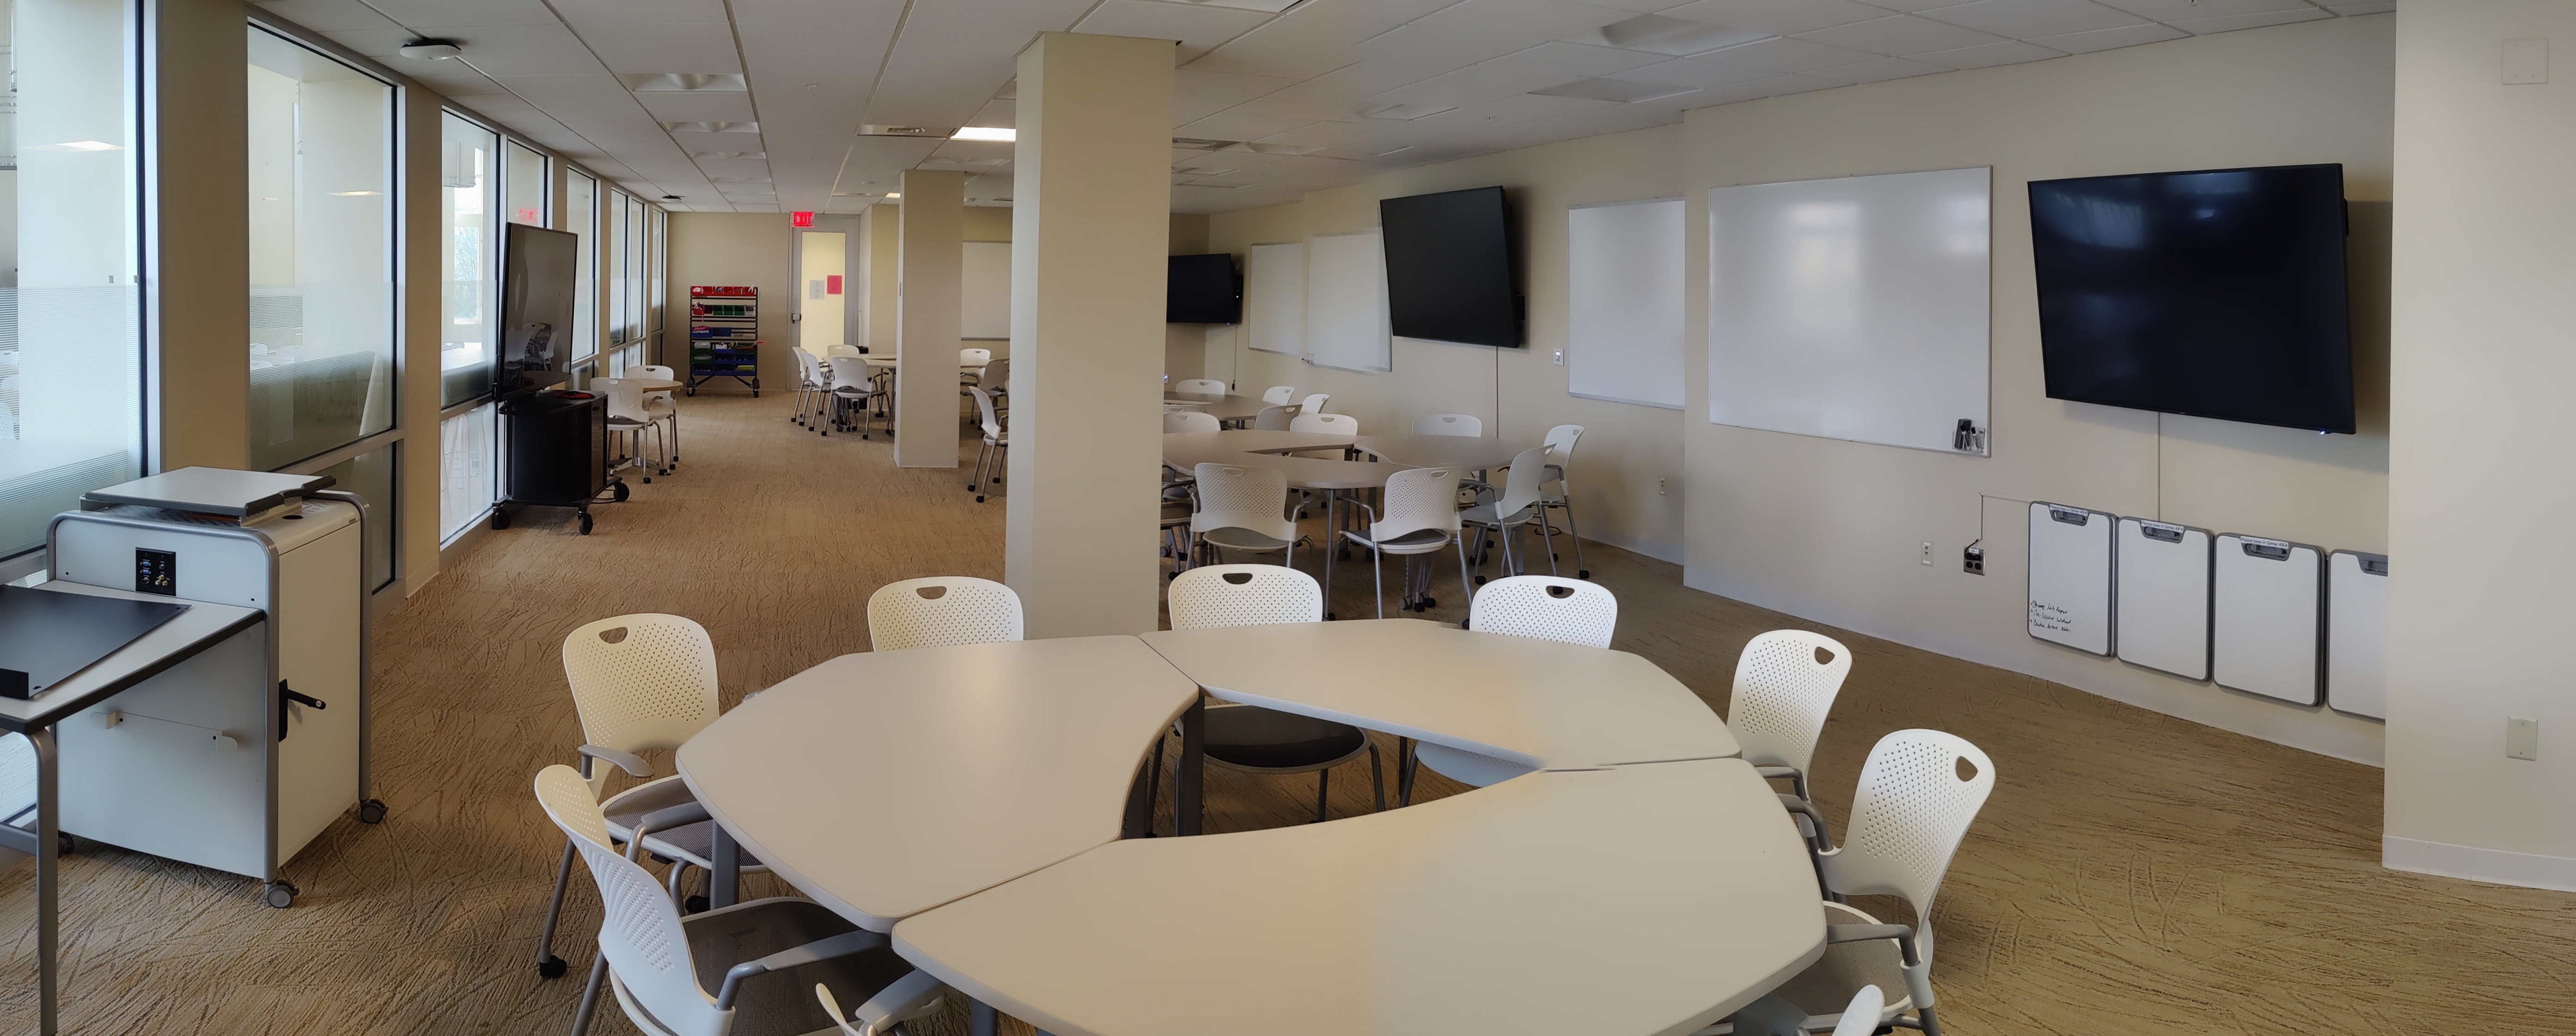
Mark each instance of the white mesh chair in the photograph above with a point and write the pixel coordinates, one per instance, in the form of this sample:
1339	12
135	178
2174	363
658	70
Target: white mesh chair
640	683
854	384
1918	793
1314	404
971	364
1201	386
661	404
1449	424
1337	424
1189	421
1280	395
996	382
1772	1016
764	954
1243	508
627	416
811	383
1560	456
996	449
1421	517
1546	608
940	611
1785	684
1253	739
1510	512
1274	418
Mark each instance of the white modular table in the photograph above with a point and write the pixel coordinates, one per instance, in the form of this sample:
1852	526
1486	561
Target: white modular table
886	783
1265	449
1472	453
1510	704
1639	899
1221	407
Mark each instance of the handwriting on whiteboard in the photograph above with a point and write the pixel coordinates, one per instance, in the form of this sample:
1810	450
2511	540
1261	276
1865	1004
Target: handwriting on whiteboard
2049	618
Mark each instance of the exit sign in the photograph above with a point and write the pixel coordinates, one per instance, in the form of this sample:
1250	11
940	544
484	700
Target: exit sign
802	219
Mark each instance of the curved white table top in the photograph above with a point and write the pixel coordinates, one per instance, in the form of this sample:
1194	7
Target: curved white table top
1262	449
1474	454
886	783
1534	703
1221	407
1634	900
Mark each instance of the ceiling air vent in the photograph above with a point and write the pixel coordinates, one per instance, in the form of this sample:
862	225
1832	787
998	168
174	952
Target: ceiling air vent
686	83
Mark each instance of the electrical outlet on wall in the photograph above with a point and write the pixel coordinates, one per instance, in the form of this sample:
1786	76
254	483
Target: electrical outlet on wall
2521	738
1560	357
1973	560
1927	552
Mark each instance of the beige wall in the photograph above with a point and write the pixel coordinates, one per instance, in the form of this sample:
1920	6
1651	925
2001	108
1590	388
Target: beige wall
734	248
421	289
200	276
1519	393
1185	345
2485	344
1831	530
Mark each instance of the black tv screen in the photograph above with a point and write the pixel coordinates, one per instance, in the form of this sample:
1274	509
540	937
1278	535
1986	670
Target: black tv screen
1203	289
537	268
1449	267
2217	293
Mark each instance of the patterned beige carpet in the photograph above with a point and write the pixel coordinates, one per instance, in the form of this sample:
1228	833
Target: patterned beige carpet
2133	874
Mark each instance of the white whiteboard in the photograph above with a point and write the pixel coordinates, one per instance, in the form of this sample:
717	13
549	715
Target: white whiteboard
2069	576
1346	303
1274	302
1854	308
984	291
2264	596
1623	319
2162	592
2357	633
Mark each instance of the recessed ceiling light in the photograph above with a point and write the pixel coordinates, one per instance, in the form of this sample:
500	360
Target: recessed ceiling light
355	194
894	194
1660	34
81	145
429	48
995	133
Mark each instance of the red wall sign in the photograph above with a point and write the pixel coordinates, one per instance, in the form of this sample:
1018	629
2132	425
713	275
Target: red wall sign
832	284
801	219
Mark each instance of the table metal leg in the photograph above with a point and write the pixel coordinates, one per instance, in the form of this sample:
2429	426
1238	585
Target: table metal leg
1185	775
723	885
1139	821
982	1020
48	872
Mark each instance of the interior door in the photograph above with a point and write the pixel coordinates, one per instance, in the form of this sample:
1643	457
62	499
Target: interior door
822	258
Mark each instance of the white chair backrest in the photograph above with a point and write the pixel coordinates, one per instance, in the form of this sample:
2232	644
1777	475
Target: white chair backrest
1546	608
1861	1017
1418	499
1560	443
1314	404
653	370
811	366
1280	395
984	410
1449	424
1242	497
975	358
1244	595
1520	489
1274	418
1201	386
997	376
1333	424
625	398
849	369
1189	421
1913	807
1782	693
640	931
940	611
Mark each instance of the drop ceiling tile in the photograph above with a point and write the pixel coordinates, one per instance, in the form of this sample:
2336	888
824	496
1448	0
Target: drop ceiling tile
2027	19
1688	72
1193	24
1877	71
1788	55
1545	65
695	107
1188	108
524	50
1227	125
1527	19
1344	85
328	16
643	47
578	12
2256	20
1190	81
468	85
1439	50
2106	39
935	90
2170	11
2009	52
599	90
827	44
1900	34
416	13
1243	59
996	113
2351	10
1309	110
1781	86
1778	17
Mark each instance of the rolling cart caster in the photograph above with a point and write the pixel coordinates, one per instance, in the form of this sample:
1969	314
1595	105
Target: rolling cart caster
694	905
1585	574
648	480
979	498
552	967
500	518
64	843
618	491
371	811
1480	580
281	894
585	523
755	393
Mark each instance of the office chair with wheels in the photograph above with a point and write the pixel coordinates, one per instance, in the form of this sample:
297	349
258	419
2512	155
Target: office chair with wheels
940	611
1250	738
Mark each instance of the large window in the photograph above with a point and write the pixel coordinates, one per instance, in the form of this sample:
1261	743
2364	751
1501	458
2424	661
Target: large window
525	180
581	216
465	205
468	458
70	337
657	255
613	264
321	253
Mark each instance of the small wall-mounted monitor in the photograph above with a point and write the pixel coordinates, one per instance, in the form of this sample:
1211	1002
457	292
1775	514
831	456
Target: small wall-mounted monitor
1203	289
2216	293
1449	267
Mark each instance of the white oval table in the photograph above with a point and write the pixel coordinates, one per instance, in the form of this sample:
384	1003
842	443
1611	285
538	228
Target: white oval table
971	800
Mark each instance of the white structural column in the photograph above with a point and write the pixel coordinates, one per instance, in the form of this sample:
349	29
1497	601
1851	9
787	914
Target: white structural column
929	273
1089	233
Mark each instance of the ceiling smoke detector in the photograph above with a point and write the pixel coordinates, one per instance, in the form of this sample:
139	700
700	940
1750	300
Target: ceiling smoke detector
430	48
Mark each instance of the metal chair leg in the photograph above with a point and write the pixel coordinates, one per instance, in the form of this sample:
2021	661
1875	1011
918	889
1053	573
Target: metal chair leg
1377	561
1377	779
1470	600
548	964
590	997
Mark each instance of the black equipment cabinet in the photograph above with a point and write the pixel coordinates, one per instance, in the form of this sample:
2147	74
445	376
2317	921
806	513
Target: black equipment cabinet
557	447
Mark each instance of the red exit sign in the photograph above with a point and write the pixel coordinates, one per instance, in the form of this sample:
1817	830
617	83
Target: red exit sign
801	219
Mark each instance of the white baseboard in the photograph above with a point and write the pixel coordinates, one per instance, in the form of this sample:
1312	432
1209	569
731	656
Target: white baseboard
2493	866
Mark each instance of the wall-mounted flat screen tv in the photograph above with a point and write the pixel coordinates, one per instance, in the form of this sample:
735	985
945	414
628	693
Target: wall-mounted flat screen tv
537	267
1203	289
2216	293
1449	267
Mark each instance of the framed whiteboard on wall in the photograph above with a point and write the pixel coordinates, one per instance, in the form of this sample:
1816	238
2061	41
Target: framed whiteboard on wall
984	291
1854	308
1346	303
1274	277
1623	320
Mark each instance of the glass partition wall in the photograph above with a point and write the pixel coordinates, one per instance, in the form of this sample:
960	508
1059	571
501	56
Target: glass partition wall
465	208
71	349
581	216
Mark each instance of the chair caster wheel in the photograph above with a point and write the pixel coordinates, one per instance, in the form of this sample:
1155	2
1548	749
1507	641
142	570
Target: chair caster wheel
1480	580
585	523
500	518
371	811
1585	574
694	905
648	480
552	967
64	843
979	498
281	894
1428	603
619	492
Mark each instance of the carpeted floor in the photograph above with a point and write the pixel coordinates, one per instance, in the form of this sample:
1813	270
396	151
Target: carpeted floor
2133	874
